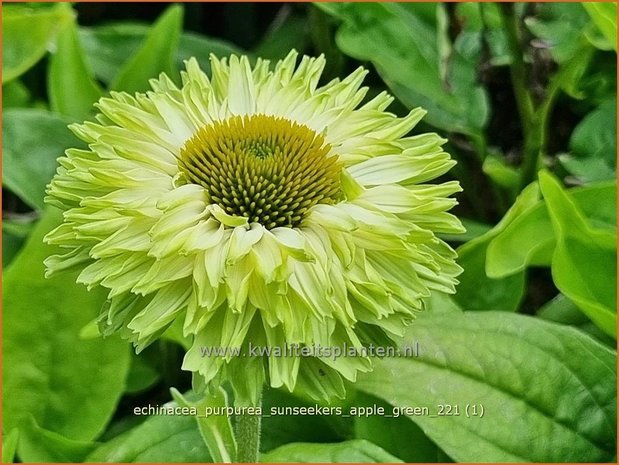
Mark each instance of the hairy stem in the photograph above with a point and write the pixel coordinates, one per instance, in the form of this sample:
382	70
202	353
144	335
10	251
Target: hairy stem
248	428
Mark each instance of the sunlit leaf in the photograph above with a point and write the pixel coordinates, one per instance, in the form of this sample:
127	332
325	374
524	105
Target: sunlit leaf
584	263
32	140
72	88
28	33
68	385
155	55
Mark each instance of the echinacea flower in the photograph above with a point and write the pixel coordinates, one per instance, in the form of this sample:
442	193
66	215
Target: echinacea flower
260	208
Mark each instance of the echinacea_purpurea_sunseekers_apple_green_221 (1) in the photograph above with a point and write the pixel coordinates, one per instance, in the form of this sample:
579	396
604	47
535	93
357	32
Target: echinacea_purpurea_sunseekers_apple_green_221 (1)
257	206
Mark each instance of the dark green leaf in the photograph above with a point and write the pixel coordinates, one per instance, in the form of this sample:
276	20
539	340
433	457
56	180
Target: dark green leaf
284	35
593	145
71	86
358	450
161	438
155	55
201	47
15	94
398	436
70	386
15	230
142	374
548	392
283	429
32	141
108	47
40	445
561	25
28	33
401	40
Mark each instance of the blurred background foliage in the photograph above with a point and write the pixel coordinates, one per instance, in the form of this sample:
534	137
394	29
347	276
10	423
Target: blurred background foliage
526	95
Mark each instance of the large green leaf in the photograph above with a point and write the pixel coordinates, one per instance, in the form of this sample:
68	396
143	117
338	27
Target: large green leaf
402	41
27	33
478	291
593	145
584	263
529	239
68	385
548	392
155	55
32	141
38	445
358	450
161	438
71	85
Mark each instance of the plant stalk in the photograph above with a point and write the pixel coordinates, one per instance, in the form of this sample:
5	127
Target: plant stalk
248	429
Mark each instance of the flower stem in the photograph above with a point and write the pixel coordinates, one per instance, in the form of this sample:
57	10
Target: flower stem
248	429
529	117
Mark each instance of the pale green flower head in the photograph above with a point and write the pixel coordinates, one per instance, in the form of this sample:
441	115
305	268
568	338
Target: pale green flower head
258	207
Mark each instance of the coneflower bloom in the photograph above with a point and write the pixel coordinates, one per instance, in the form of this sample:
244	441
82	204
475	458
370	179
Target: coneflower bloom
259	208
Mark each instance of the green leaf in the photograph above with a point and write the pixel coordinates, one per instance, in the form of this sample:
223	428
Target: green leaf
563	310
604	15
70	386
201	47
502	174
161	438
398	436
15	94
283	36
478	291
108	46
473	229
358	450
593	145
71	86
15	230
401	40
28	33
9	445
40	445
584	263
548	392
155	55
283	429
32	141
216	430
529	239
562	26
142	374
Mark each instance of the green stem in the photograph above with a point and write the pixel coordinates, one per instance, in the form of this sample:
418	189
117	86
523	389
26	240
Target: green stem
530	119
248	437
